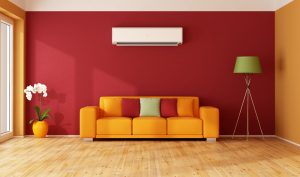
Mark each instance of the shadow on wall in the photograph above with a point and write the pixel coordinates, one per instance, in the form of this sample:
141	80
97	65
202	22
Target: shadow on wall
78	62
57	115
280	64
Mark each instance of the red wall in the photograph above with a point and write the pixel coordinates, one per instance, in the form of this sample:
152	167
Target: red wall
71	52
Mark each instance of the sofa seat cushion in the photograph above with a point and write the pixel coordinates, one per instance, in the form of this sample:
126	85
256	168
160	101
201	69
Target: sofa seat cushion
114	126
184	126
149	126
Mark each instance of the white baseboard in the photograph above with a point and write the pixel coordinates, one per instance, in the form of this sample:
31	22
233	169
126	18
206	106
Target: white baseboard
57	136
63	136
289	141
250	136
222	136
260	136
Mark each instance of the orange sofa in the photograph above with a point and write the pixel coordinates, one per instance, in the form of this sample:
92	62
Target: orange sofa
106	121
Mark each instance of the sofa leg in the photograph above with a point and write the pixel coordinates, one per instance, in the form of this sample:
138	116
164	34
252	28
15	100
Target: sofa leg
211	139
87	139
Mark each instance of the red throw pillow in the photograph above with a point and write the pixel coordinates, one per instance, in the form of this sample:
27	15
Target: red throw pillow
168	107
130	107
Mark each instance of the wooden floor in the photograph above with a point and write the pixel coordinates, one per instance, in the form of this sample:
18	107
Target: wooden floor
73	157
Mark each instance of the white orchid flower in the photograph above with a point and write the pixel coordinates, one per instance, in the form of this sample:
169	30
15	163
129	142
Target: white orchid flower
37	88
28	96
34	90
43	87
29	88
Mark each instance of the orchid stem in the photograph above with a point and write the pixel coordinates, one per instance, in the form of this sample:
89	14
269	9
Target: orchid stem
40	100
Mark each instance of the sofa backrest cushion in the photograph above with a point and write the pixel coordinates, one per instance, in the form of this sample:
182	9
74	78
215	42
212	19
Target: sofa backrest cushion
185	107
112	105
130	107
168	107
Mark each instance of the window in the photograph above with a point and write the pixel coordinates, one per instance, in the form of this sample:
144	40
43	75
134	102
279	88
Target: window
6	77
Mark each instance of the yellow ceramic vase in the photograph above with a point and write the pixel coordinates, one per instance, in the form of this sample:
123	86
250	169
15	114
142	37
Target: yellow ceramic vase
40	129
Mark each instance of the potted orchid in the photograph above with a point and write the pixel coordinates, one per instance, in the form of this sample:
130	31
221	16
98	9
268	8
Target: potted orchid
39	125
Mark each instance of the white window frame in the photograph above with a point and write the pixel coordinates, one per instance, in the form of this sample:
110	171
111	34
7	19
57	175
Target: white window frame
9	134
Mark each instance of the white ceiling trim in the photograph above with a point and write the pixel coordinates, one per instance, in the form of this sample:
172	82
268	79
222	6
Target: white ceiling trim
20	3
151	5
281	3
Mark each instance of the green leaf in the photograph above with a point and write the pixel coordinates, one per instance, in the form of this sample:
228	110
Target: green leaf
45	114
38	111
31	120
43	118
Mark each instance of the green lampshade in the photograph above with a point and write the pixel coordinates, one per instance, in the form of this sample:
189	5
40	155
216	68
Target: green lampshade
247	65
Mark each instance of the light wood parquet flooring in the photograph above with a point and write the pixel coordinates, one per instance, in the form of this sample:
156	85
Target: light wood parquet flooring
73	157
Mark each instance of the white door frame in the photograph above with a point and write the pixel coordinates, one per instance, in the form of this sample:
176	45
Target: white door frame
9	134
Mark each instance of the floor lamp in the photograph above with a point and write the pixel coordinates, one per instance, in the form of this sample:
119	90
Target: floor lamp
247	65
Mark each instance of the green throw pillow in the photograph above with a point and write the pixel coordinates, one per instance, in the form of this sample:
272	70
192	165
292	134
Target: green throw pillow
150	107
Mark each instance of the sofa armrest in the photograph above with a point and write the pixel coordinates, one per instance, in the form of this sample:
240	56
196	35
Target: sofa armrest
88	117
210	117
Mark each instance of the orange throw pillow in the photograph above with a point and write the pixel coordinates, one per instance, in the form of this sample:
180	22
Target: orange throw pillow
112	107
185	107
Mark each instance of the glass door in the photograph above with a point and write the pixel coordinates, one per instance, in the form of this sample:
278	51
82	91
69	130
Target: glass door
6	77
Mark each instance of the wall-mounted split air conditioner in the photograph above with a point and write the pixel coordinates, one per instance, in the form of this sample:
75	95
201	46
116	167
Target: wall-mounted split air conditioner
147	36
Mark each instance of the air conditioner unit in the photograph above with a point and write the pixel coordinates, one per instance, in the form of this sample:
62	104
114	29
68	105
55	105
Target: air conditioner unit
147	36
